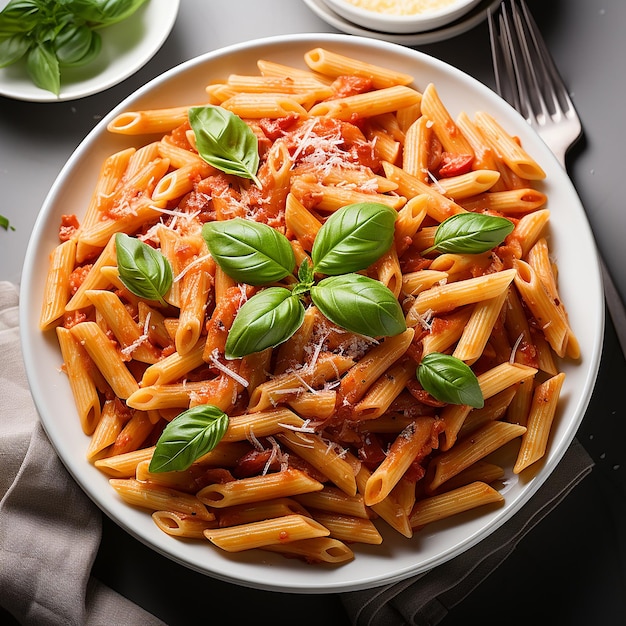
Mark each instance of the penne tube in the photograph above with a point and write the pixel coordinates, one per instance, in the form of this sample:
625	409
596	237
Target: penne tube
105	356
287	483
266	532
368	104
322	456
474	448
179	182
439	207
280	84
349	529
173	367
330	63
57	289
105	434
444	330
410	218
258	511
491	382
384	391
481	471
133	434
510	150
264	105
78	368
541	414
450	135
334	500
319	404
292	384
181	525
334	197
409	443
442	298
124	465
389	509
548	315
358	380
132	342
316	550
478	330
452	502
467	185
157	498
417	149
509	201
415	282
148	121
271	68
261	424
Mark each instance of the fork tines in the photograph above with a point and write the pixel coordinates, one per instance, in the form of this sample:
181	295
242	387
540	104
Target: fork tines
534	86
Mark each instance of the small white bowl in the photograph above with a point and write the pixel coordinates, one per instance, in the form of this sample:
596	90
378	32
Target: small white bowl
402	16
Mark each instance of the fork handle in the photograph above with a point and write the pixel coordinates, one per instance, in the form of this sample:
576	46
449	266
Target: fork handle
614	303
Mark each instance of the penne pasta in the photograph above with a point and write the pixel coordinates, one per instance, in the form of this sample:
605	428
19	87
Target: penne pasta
300	436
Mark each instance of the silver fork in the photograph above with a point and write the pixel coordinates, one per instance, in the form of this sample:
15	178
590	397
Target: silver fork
527	77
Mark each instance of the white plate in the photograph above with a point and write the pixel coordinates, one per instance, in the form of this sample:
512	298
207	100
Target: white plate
473	18
126	47
398	557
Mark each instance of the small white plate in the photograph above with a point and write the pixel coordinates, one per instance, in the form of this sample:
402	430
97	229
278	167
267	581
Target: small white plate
126	47
468	21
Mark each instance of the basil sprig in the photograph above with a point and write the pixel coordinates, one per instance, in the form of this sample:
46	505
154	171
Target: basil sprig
53	34
350	240
359	304
354	239
470	233
449	379
249	252
225	141
143	270
5	223
266	320
187	437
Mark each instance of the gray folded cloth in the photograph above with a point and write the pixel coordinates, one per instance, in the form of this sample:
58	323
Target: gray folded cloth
49	529
426	599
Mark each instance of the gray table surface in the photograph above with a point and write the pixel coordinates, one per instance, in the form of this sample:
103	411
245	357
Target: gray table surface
571	569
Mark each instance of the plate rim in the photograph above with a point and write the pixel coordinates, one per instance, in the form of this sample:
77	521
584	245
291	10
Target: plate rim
259	581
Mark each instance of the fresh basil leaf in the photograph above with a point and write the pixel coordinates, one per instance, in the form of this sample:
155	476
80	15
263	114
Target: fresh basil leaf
143	270
12	49
225	141
19	17
76	45
449	379
470	233
102	12
306	279
353	238
43	68
266	320
187	437
5	223
249	252
359	304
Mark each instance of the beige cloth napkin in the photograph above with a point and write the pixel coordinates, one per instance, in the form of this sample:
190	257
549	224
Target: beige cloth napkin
49	529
